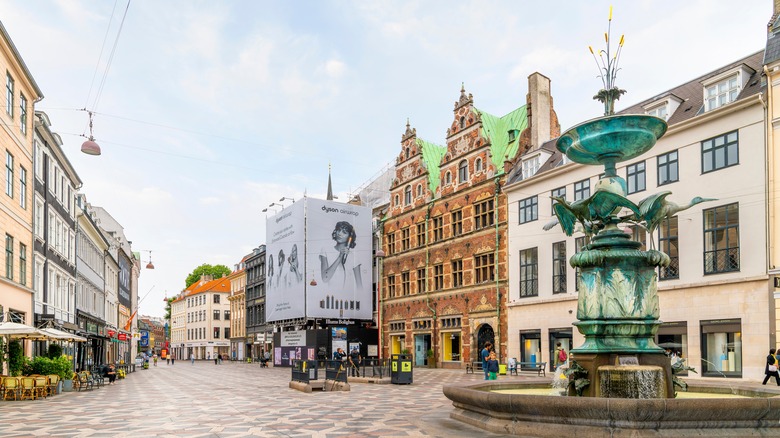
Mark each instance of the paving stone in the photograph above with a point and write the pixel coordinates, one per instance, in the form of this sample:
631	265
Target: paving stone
239	399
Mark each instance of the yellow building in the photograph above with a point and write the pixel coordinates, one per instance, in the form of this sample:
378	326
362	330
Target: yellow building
16	211
237	300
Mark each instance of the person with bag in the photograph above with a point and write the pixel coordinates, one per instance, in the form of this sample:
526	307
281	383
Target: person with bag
560	356
771	368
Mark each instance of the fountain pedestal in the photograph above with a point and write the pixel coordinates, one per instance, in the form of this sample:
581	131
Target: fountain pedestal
594	362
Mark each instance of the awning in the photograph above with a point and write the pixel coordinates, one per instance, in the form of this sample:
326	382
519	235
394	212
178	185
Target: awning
15	330
62	335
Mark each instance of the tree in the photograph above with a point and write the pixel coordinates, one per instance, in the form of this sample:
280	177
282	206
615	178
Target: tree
216	271
168	302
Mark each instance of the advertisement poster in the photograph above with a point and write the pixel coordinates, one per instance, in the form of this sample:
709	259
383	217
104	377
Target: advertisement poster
339	258
285	290
338	338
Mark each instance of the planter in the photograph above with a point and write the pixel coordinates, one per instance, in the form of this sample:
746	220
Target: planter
67	385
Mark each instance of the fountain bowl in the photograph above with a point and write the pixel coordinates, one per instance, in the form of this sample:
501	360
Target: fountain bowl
555	416
611	139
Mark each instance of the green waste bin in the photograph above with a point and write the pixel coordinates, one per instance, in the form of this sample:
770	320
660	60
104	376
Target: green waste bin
401	369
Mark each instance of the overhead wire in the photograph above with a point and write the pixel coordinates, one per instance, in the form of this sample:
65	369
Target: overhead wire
100	56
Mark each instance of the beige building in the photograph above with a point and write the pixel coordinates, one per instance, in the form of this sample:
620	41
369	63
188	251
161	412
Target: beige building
716	297
178	326
237	300
207	312
16	211
772	76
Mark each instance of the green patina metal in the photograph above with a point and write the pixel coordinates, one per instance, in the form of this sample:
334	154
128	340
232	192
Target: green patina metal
494	129
432	155
497	129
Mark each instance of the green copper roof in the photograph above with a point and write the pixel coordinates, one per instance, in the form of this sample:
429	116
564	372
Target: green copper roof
496	129
432	155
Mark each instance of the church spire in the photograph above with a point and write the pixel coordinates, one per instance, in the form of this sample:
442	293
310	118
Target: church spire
330	186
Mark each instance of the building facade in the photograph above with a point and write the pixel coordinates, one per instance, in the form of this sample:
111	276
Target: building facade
208	318
445	234
237	300
259	335
91	250
54	232
715	298
16	210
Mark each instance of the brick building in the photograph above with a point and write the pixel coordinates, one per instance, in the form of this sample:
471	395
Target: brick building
444	274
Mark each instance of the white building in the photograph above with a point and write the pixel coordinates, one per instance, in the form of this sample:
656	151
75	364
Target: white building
207	318
716	297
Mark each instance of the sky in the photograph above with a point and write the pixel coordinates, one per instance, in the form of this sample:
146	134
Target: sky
209	111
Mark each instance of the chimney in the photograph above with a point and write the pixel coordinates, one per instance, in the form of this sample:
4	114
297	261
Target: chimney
539	109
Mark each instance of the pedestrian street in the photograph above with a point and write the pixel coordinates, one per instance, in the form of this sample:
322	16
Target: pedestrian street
240	399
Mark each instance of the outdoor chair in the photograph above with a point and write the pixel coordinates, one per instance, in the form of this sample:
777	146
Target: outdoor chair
51	384
10	387
41	386
28	388
85	381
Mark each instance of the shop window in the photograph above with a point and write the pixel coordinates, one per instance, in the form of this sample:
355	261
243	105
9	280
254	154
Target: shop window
673	338
531	346
721	344
450	342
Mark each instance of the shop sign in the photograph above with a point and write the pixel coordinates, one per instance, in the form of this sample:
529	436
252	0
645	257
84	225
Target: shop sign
122	337
339	322
91	327
111	333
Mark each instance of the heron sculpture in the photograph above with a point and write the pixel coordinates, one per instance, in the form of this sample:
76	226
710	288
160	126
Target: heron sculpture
655	208
593	212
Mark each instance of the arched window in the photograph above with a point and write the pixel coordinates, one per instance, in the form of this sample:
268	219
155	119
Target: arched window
407	153
419	190
408	195
463	171
396	200
462	122
447	178
478	165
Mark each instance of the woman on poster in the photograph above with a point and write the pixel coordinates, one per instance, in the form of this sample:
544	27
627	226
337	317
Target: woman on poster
344	235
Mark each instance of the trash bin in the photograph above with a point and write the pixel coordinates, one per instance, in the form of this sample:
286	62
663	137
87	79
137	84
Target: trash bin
401	369
502	369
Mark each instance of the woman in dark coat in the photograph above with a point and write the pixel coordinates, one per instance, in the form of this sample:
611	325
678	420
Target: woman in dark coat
771	360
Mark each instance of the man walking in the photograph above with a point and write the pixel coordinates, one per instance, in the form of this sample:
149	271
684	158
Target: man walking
192	358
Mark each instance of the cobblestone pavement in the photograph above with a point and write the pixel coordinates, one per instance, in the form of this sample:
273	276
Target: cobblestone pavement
239	399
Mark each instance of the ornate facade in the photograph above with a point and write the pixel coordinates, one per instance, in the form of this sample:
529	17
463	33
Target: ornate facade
444	276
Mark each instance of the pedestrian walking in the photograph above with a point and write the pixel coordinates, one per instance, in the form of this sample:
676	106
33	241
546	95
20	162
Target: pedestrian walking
155	359
167	360
173	360
216	359
770	369
192	358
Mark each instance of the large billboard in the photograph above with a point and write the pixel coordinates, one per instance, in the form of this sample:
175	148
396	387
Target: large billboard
338	255
284	282
318	259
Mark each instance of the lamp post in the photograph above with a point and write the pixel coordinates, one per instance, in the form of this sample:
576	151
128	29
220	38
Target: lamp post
286	198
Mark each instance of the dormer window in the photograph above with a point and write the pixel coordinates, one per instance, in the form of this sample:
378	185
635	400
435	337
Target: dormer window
663	107
530	166
512	134
723	92
725	88
662	112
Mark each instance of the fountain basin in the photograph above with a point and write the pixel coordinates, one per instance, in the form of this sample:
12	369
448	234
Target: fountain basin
611	139
554	416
